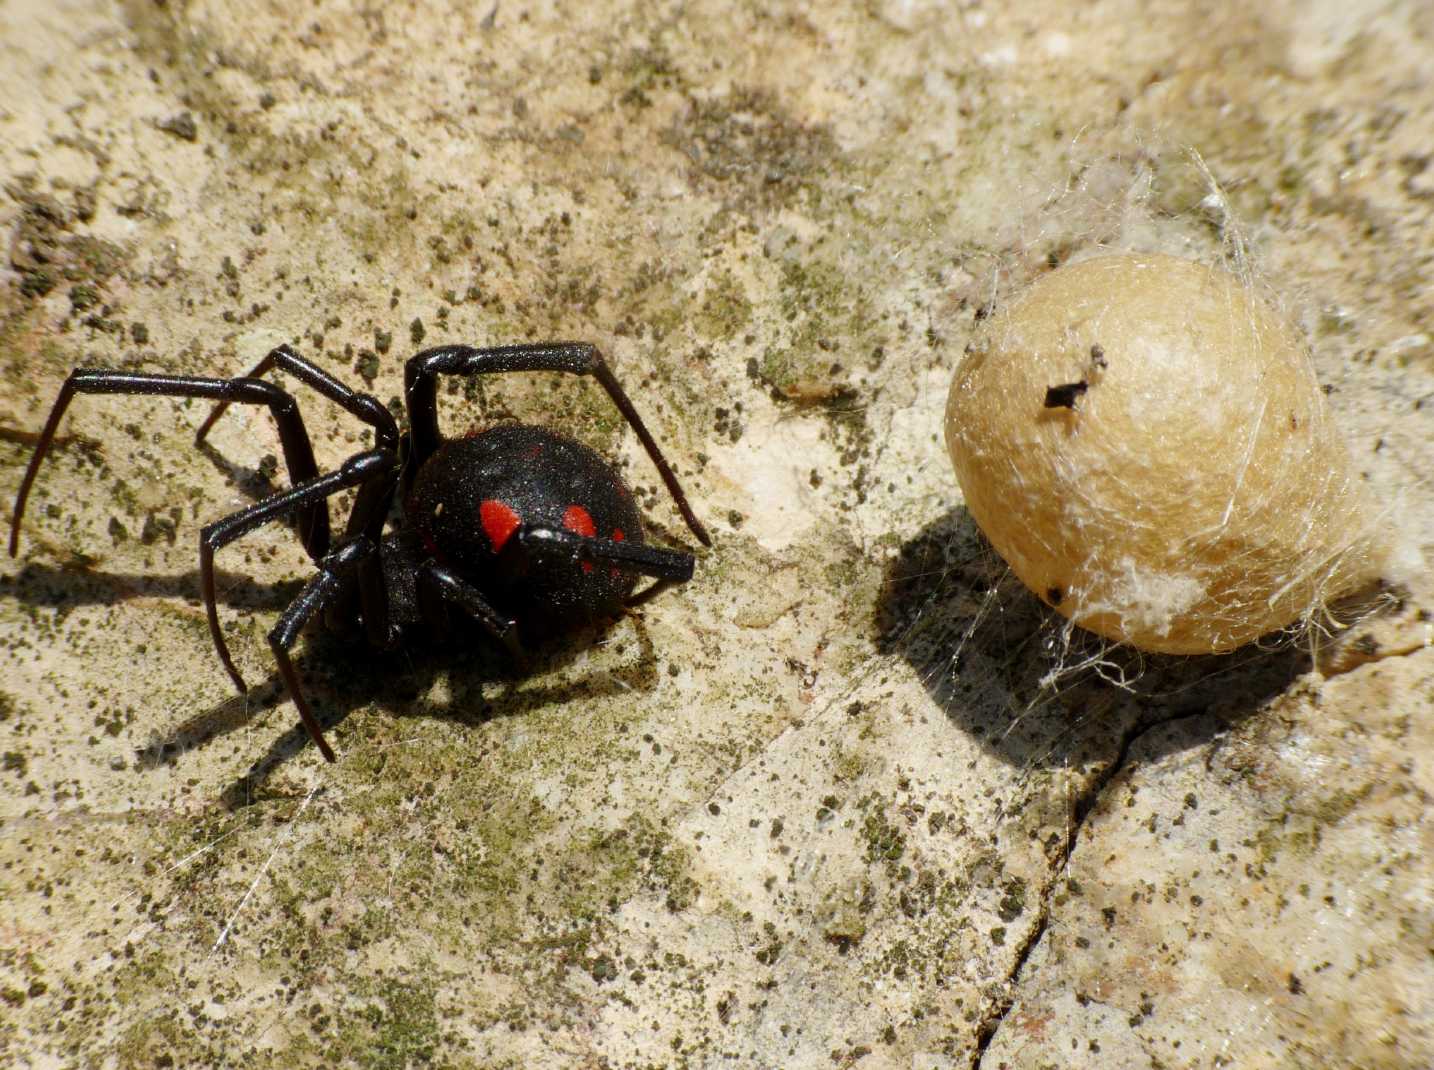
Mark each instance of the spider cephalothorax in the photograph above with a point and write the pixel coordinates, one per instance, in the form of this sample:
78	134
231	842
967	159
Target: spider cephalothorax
525	530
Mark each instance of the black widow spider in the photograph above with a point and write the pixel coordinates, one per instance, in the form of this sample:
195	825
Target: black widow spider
524	529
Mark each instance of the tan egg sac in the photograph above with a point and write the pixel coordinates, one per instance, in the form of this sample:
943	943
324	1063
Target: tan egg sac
1144	441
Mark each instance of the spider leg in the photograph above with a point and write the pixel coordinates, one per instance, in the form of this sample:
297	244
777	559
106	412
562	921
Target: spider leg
365	406
667	567
671	565
298	453
439	587
331	580
371	507
374	466
575	358
370	601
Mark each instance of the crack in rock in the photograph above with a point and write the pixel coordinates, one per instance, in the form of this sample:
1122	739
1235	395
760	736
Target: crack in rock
1085	803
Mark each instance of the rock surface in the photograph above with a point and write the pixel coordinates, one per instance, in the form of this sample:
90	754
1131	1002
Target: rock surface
851	797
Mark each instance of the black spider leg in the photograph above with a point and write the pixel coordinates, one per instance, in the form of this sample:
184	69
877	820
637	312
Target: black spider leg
575	358
667	567
333	585
366	521
373	466
559	543
365	406
371	509
439	587
331	581
298	453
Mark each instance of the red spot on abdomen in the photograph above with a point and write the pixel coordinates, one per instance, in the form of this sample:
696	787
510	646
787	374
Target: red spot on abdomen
499	522
579	521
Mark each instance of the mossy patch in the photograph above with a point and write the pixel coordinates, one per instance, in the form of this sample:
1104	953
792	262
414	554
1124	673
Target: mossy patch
398	1027
748	145
725	311
645	71
155	1041
824	320
47	253
885	842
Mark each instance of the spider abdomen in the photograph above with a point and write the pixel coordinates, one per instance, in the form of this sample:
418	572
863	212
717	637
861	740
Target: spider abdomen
470	499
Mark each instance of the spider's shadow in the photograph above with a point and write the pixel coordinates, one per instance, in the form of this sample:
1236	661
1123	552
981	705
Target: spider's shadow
341	674
63	589
985	648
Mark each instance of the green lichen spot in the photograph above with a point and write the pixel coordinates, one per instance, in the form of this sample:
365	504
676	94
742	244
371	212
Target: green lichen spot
884	841
726	311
